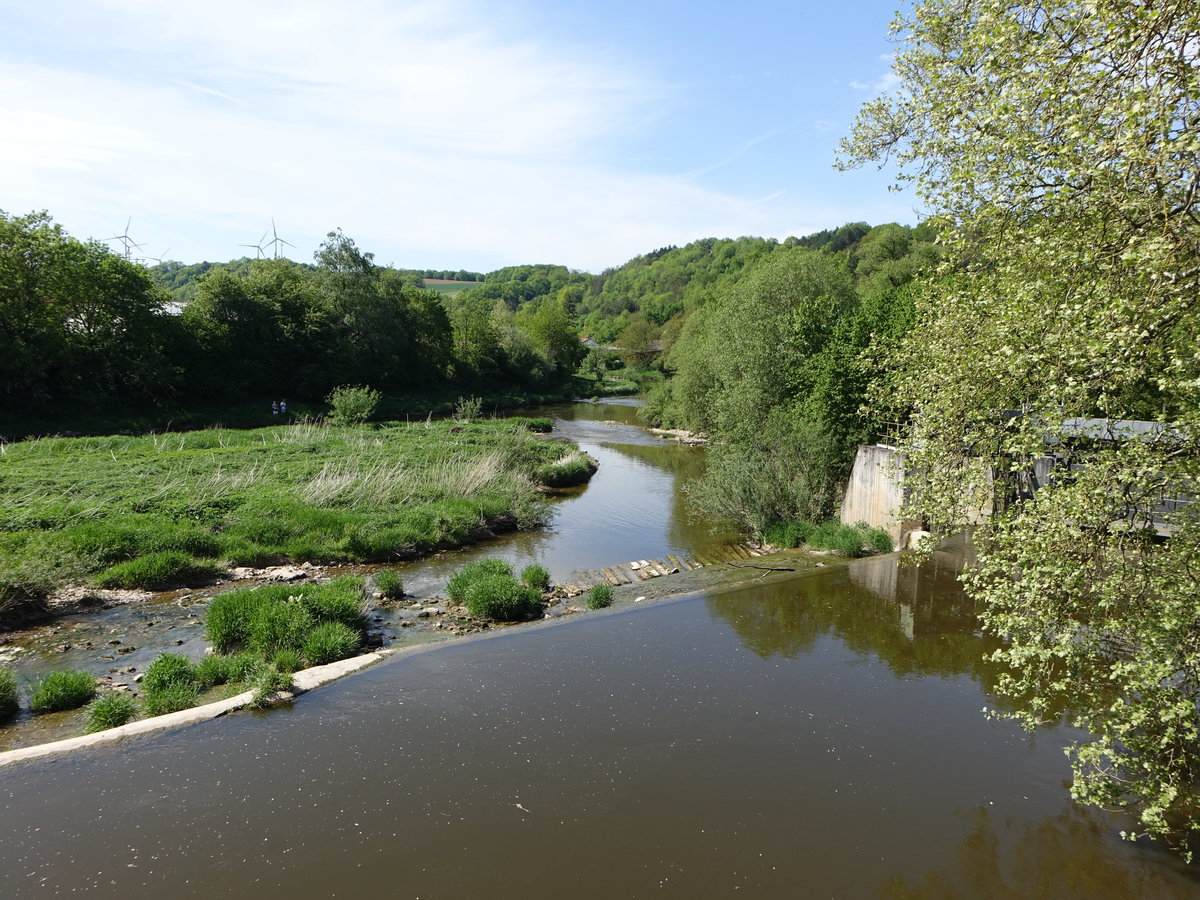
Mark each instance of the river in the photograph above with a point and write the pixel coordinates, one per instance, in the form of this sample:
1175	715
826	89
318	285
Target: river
820	737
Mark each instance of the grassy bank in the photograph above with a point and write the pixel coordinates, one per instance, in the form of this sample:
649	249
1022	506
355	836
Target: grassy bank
168	509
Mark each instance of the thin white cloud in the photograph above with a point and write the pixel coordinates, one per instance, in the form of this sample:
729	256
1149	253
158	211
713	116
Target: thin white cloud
432	132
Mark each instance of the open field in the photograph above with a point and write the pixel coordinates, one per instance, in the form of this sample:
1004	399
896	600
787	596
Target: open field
450	288
168	509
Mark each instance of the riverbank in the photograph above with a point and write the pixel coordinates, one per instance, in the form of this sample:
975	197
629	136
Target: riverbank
180	509
728	576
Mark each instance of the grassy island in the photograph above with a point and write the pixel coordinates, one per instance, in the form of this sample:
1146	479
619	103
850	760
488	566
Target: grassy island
166	510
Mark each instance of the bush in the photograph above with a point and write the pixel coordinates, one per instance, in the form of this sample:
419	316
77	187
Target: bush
329	642
536	577
9	695
109	710
461	581
468	409
501	597
351	404
158	571
539	425
389	584
62	690
599	597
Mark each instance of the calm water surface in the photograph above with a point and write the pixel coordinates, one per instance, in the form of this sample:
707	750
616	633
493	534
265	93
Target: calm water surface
817	738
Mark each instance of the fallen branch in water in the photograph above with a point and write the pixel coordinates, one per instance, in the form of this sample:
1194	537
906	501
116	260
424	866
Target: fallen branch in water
752	566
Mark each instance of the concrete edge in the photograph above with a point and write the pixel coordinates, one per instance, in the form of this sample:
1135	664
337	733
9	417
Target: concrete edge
304	680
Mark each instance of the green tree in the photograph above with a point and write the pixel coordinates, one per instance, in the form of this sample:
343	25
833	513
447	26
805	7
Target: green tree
1058	143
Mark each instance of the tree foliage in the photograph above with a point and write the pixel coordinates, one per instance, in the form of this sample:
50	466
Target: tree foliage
1058	142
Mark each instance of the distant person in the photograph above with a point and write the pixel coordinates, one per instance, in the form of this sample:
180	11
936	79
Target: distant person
274	408
282	407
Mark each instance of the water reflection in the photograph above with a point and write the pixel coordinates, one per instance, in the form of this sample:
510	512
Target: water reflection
916	620
787	741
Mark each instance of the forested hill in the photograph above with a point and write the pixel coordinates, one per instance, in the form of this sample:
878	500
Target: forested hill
182	281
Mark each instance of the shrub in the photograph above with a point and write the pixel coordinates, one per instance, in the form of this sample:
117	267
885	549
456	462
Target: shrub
109	710
62	690
536	577
389	584
158	571
9	695
599	597
468	409
462	580
352	404
329	642
171	698
501	597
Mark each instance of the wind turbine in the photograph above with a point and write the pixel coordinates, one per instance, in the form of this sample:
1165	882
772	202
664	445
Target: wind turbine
259	246
276	240
126	241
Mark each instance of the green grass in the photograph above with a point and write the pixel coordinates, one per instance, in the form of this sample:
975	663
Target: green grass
849	540
10	698
62	690
329	642
573	467
267	621
461	581
536	577
163	510
599	597
389	584
502	598
109	710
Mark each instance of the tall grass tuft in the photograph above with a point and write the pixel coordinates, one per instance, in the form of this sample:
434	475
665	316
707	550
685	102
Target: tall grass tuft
329	642
109	710
502	597
461	581
389	584
62	690
169	684
536	577
599	597
9	695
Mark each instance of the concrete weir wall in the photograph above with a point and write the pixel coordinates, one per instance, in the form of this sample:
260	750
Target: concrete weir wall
875	491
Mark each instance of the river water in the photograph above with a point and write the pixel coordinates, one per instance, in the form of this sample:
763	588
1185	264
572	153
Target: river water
819	737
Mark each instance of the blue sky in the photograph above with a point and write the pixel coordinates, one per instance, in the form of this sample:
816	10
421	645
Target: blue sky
440	134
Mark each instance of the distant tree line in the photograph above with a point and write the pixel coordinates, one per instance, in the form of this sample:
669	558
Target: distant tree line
81	325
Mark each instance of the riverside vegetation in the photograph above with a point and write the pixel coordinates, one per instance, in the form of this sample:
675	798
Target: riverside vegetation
175	509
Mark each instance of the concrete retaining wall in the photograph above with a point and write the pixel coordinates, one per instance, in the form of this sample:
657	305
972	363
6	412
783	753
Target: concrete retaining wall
875	492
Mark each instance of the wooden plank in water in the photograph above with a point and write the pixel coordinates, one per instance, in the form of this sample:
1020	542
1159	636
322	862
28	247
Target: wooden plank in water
625	575
663	568
675	561
610	577
693	563
741	551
